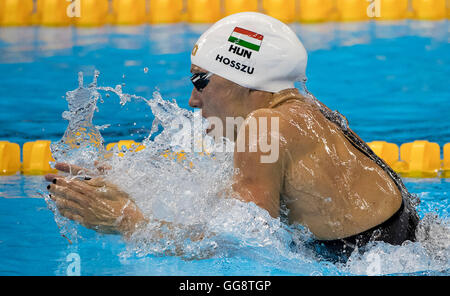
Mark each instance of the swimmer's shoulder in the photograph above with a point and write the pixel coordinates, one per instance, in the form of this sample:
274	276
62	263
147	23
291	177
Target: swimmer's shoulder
289	122
297	112
270	115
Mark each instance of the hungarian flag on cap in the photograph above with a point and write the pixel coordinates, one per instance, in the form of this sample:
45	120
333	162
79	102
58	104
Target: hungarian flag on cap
246	38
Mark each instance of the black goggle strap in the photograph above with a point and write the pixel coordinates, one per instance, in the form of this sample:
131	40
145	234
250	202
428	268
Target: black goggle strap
201	80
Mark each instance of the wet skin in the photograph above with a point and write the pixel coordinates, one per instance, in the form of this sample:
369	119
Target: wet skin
326	183
93	202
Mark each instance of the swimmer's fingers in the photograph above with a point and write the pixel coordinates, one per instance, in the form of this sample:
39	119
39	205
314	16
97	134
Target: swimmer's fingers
72	210
76	218
73	169
51	177
72	216
76	185
61	180
69	209
82	200
98	182
106	189
102	167
66	205
81	186
96	188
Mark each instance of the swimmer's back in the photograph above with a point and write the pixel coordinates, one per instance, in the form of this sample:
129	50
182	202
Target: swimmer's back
329	185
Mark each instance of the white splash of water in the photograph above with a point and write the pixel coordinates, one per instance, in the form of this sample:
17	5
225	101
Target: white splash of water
429	255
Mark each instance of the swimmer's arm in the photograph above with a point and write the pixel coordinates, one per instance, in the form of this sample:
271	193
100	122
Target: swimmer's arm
104	207
94	202
255	181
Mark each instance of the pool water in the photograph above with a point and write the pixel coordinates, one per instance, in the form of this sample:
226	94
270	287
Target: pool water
389	79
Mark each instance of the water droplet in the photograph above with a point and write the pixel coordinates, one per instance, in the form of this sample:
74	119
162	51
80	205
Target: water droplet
80	79
94	80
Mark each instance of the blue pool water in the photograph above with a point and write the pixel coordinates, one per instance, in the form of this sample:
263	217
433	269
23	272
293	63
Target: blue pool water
389	79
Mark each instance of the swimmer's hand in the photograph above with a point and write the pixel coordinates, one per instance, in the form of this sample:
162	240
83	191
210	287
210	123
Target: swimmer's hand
94	202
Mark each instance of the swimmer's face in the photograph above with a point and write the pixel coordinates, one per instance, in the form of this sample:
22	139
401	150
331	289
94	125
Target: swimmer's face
220	98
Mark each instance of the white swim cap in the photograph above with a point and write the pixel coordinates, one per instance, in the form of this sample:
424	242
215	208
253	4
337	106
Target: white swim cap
253	50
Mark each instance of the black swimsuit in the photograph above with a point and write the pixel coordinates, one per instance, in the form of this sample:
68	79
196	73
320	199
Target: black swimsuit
396	230
399	228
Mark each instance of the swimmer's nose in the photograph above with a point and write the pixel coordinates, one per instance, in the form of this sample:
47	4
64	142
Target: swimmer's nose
195	101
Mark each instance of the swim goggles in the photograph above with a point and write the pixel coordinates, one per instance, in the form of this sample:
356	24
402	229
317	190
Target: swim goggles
200	80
